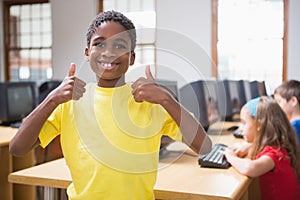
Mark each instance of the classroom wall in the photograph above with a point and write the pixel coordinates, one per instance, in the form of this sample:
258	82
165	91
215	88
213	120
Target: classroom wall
183	40
183	27
70	23
1	47
293	71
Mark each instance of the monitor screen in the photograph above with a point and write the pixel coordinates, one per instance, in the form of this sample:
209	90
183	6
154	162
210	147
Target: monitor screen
212	101
17	100
237	95
262	88
170	85
192	97
233	96
258	88
247	89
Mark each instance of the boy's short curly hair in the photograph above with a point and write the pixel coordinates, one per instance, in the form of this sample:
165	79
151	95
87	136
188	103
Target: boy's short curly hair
112	16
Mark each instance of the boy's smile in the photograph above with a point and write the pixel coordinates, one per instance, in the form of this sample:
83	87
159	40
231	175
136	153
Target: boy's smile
110	54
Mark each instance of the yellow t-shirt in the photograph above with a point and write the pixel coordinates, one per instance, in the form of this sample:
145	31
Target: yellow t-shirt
110	143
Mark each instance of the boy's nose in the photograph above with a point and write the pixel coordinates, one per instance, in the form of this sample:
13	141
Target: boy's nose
109	52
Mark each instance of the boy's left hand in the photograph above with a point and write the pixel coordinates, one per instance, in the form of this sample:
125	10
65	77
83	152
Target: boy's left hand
146	89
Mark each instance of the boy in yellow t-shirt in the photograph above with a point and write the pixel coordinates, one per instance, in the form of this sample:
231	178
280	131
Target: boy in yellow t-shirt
110	130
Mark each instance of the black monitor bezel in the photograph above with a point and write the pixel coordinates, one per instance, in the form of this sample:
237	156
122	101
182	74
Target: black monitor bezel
5	117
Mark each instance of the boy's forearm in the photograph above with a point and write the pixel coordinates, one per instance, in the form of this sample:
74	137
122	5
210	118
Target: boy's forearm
193	133
27	136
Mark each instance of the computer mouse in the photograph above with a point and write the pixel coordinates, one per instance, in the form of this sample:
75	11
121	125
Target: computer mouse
238	134
232	128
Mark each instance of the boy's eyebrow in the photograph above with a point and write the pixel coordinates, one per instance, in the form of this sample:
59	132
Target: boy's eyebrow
119	39
122	40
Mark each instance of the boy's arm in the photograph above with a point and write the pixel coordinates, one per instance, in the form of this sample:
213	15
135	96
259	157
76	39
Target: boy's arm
27	136
145	89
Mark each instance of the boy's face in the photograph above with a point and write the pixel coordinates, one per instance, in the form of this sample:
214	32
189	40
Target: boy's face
110	54
248	125
284	104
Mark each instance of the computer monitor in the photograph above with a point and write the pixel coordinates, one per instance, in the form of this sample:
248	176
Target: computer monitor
46	87
192	97
169	85
212	101
17	100
234	96
247	89
262	88
254	89
241	92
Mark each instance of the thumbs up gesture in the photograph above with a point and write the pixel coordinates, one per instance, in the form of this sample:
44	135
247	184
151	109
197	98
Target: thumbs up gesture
70	88
146	89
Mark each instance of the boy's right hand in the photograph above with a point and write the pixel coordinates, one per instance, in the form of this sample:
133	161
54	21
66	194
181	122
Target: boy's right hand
71	88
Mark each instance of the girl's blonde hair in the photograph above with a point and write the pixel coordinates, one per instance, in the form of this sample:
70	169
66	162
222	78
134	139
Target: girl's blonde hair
274	129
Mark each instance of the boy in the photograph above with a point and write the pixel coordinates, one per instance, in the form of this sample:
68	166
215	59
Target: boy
111	134
287	96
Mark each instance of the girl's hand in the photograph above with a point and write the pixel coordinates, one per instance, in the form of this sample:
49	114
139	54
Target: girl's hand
229	154
146	89
240	149
71	88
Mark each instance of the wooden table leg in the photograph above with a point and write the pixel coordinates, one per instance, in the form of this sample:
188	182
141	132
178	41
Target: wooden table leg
6	191
20	191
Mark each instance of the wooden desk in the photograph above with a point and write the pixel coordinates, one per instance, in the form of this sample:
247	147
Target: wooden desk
182	178
9	164
185	179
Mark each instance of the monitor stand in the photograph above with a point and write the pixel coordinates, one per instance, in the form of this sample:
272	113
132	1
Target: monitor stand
16	124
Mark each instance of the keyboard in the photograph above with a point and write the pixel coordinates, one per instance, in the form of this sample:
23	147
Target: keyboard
215	158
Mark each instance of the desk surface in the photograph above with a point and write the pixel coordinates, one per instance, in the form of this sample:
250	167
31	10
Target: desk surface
8	163
6	134
182	178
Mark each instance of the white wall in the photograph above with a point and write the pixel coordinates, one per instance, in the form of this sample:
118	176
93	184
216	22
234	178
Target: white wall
1	46
71	19
183	40
294	40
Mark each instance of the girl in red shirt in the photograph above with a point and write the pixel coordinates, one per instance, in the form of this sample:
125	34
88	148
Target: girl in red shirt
274	152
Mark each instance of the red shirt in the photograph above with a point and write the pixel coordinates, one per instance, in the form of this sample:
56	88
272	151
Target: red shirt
280	183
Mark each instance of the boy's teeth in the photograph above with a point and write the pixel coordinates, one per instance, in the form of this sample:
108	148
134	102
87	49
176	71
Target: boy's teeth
106	65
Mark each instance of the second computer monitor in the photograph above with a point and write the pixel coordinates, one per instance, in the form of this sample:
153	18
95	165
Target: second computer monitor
212	100
170	85
234	97
254	89
192	97
201	98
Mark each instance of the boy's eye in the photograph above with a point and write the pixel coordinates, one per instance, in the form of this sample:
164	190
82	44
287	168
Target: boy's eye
100	44
120	46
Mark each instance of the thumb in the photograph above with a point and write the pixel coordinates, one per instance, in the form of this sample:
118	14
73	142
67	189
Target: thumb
72	69
148	73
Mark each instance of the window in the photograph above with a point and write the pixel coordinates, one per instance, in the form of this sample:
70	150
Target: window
249	40
143	15
29	36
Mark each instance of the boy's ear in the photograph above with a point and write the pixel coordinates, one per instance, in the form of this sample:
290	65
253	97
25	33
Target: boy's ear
86	51
294	100
132	57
